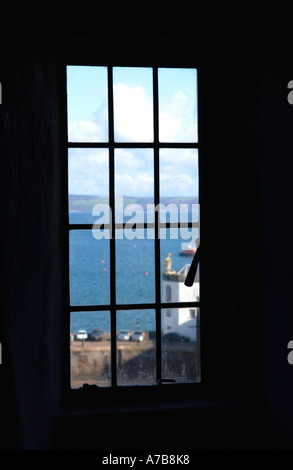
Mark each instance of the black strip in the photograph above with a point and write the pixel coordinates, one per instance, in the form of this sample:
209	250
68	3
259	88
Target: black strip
146	306
193	268
157	218
130	226
112	238
166	145
66	356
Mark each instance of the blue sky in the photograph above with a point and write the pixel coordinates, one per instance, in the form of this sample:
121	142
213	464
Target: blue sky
133	122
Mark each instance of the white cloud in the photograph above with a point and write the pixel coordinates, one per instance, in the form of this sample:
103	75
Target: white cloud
178	172
133	114
134	185
177	119
182	185
133	119
88	171
134	172
178	158
85	131
127	159
169	127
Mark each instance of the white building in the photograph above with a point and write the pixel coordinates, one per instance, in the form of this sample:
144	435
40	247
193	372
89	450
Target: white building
183	321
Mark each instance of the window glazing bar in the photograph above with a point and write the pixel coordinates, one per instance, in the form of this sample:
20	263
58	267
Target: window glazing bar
157	218
133	144
148	306
130	226
112	238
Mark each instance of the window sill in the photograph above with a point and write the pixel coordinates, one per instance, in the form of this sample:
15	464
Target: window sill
175	424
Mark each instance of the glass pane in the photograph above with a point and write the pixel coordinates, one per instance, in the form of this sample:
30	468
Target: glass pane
135	266
177	105
179	201
133	104
89	268
179	175
181	344
87	102
175	264
134	184
88	185
136	347
90	348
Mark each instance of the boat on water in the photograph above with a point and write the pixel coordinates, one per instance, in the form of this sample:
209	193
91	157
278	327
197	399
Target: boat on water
189	251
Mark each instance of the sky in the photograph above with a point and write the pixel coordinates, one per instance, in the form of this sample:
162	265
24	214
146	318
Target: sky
133	122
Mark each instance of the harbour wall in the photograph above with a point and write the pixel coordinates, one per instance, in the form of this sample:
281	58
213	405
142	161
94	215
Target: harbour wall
136	362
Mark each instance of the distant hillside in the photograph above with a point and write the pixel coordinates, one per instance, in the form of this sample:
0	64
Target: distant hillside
86	203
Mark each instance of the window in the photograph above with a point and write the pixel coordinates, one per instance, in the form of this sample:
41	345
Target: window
133	224
192	313
168	293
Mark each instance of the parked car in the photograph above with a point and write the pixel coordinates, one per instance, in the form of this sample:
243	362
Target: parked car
81	335
138	336
175	338
97	334
124	336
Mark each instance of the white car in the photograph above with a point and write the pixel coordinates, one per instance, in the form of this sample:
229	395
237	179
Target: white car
81	335
124	336
138	336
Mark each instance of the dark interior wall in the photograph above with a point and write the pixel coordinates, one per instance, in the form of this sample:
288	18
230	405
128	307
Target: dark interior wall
276	167
31	251
233	229
32	195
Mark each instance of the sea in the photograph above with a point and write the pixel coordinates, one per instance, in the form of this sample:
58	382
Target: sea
89	272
